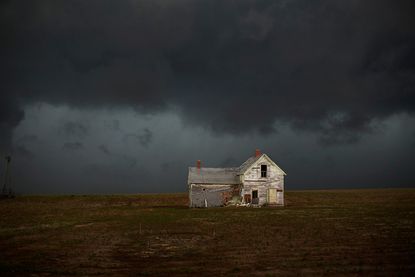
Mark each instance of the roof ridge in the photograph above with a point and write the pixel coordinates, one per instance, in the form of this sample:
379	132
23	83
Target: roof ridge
249	162
236	169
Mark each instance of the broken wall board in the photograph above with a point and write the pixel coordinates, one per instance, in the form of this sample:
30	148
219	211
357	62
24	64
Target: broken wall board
212	195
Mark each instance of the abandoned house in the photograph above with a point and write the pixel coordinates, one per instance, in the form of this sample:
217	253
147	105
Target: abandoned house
257	182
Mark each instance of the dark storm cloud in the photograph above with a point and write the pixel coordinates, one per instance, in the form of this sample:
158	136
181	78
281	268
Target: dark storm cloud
165	167
104	149
126	160
22	145
144	137
23	152
331	67
113	125
27	138
72	146
74	129
129	161
10	116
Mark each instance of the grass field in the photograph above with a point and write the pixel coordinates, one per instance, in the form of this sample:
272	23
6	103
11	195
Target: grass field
333	232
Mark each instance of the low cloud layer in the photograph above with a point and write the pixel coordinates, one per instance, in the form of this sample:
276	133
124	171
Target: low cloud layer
104	163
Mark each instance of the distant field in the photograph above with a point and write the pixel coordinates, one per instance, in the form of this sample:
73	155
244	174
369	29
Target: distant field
332	232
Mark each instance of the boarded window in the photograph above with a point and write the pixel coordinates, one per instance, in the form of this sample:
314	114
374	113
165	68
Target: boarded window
263	170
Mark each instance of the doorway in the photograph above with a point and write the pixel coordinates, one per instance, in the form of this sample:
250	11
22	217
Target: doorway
255	199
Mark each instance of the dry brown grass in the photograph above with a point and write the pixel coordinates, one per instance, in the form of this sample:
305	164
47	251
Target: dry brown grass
338	232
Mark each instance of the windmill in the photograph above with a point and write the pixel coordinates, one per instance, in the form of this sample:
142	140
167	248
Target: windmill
6	191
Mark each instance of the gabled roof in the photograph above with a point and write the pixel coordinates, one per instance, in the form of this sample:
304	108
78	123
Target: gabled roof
252	160
209	175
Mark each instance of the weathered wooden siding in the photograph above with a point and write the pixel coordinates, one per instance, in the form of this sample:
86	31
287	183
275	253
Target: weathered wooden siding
213	187
252	180
211	195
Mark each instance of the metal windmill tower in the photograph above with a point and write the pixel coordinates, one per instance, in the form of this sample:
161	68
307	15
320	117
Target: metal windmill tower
7	178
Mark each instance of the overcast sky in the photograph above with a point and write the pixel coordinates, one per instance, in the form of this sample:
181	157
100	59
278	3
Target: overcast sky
123	96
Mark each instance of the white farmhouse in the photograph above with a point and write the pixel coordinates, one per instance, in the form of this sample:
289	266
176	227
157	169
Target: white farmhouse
258	181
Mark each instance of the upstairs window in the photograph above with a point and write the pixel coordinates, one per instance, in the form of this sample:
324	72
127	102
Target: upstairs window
263	170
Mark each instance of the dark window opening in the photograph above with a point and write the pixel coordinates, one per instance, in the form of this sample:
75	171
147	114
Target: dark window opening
263	170
255	199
